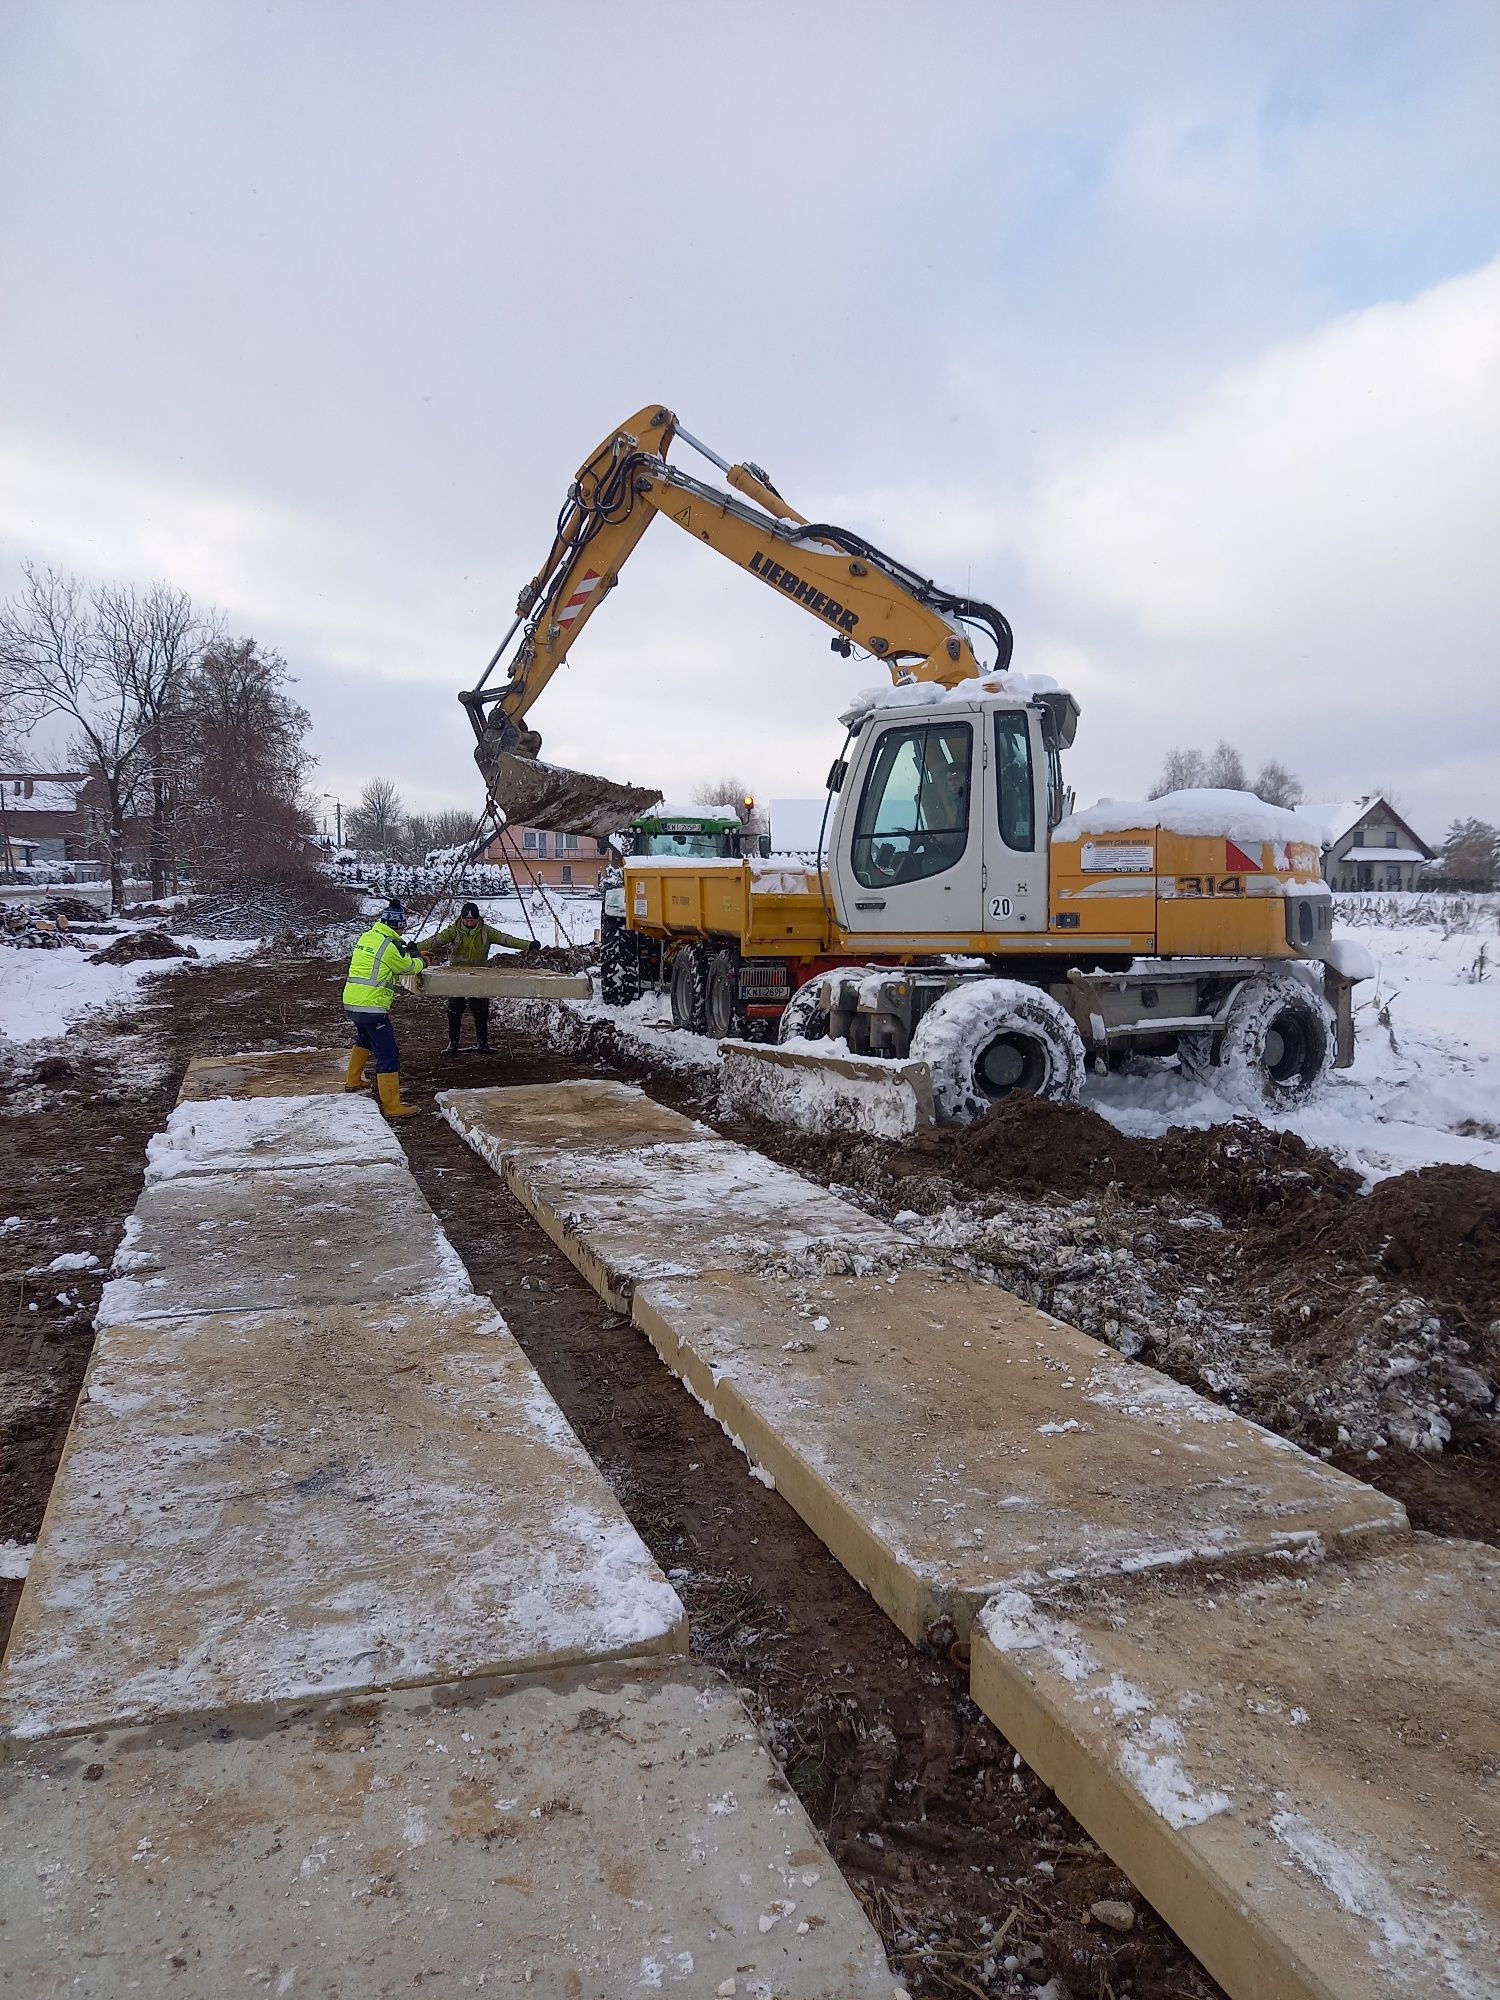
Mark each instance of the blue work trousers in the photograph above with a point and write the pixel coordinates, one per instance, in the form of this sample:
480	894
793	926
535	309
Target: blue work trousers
373	1031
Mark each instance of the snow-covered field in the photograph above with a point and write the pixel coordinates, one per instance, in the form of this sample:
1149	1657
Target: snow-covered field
1425	1086
42	993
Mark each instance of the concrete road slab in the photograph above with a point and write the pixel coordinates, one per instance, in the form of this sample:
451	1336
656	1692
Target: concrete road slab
497	982
255	1507
676	1209
252	1240
220	1135
504	1125
1297	1762
584	1837
265	1073
944	1439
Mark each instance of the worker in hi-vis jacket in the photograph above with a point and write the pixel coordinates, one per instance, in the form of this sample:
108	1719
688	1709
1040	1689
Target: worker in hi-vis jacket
377	962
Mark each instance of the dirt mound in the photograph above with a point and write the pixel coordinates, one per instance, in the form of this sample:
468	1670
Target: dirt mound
1442	1234
1238	1172
141	944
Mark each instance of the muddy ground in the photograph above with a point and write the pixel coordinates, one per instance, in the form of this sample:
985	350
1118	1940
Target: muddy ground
1200	1252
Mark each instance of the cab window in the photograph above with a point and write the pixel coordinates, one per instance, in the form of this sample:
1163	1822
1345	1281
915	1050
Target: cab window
1013	786
913	818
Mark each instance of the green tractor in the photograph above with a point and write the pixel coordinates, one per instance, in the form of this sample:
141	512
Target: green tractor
628	962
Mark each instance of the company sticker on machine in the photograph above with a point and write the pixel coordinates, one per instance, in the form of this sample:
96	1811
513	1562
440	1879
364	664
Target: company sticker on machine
1101	858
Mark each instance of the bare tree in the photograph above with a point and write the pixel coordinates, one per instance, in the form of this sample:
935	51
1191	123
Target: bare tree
56	661
244	761
155	640
1276	785
375	822
1181	771
453	828
1471	853
1226	769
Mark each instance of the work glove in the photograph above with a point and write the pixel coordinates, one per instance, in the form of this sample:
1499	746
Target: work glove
535	945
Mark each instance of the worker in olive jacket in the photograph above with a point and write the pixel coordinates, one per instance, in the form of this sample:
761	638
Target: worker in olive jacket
468	942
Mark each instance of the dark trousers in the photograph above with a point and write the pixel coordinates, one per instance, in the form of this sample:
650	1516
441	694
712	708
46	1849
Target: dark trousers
480	1009
373	1031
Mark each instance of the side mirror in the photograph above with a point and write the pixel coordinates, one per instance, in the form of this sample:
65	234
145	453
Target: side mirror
837	772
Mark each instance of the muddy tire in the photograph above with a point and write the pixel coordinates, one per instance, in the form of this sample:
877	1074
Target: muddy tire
803	1018
619	968
1278	1043
690	988
995	1038
721	999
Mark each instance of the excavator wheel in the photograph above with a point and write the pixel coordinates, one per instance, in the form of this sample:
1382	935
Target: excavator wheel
690	988
993	1038
1278	1043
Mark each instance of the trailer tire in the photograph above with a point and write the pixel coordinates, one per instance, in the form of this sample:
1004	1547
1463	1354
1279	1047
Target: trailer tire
721	997
619	968
994	1038
1277	1045
689	987
804	1018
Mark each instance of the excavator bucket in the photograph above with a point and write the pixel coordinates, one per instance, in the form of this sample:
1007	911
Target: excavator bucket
530	793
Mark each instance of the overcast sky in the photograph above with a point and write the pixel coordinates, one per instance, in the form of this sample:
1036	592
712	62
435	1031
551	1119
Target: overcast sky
1172	330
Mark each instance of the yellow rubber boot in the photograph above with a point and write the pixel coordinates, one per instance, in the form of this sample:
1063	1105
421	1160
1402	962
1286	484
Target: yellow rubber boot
388	1083
354	1077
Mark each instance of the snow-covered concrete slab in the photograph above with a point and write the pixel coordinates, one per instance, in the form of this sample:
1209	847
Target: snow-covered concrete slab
672	1210
248	1241
505	1125
1297	1762
257	1507
265	1073
581	1837
219	1135
945	1439
497	982
817	1092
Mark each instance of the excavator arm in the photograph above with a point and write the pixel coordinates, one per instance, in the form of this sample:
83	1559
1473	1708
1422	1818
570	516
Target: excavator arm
868	599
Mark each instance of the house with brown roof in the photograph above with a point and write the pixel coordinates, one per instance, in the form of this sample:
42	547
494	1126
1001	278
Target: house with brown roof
1367	844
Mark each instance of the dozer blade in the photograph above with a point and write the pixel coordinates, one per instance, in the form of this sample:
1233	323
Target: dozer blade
816	1093
531	793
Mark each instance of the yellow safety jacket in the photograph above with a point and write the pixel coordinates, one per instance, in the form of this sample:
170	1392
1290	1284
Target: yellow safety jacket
378	961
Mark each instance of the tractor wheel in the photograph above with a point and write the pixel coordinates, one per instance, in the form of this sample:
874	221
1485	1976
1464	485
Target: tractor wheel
1278	1043
803	1018
689	987
721	999
995	1038
619	968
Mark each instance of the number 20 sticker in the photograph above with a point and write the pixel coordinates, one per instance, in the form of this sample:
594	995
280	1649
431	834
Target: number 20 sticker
999	906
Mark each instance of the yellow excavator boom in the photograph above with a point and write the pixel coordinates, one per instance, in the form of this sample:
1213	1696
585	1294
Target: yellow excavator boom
868	599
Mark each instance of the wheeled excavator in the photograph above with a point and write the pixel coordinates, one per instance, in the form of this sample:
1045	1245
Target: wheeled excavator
963	916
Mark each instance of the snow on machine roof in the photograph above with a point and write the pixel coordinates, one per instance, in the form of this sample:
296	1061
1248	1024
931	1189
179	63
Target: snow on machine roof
1205	812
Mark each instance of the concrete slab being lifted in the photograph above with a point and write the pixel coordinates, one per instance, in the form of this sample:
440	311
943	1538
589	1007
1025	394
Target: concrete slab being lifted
1297	1762
945	1440
497	982
257	1507
265	1073
626	1212
605	1833
222	1135
245	1242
